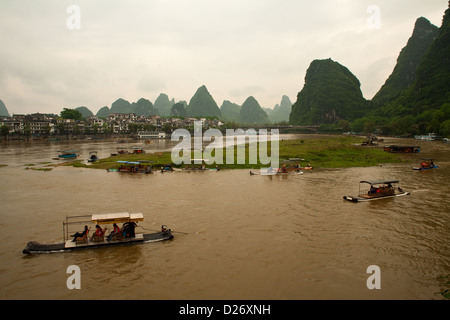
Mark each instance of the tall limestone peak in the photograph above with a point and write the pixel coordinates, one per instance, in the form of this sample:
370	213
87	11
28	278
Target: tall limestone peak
202	104
252	113
432	85
121	106
103	112
163	105
281	111
230	111
408	61
143	107
85	112
331	93
3	111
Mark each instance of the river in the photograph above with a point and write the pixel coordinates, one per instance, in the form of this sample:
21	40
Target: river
237	236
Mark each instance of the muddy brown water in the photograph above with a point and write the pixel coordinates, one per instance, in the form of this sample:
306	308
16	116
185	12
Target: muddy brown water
240	236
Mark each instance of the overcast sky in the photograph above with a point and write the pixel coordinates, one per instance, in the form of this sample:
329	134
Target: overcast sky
141	48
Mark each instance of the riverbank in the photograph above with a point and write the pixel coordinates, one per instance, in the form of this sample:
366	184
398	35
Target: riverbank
319	152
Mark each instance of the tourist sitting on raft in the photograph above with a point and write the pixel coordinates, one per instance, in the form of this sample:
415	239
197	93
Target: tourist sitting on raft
381	191
427	164
80	235
116	233
99	233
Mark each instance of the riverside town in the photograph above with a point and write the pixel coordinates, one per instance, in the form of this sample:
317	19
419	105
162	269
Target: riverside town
42	126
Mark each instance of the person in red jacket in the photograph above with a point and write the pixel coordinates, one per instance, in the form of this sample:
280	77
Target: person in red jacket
98	232
115	231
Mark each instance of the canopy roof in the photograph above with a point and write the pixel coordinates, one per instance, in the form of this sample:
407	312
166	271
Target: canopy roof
380	181
117	217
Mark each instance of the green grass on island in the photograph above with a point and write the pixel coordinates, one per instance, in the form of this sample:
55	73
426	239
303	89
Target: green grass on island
321	152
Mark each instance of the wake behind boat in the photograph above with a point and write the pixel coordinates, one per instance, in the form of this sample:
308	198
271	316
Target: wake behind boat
379	189
84	240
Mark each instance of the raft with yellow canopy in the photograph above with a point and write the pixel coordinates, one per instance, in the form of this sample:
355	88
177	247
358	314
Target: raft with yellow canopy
74	239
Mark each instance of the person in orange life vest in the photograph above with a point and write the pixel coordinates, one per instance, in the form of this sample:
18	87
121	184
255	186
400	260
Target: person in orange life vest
98	232
115	231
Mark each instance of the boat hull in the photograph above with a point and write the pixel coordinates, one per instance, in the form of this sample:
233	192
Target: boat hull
67	156
427	168
252	173
36	247
361	199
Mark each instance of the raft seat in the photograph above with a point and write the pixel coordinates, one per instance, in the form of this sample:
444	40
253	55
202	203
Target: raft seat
98	239
118	236
82	240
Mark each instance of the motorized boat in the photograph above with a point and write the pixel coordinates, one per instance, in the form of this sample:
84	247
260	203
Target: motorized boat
140	166
379	189
67	154
137	150
428	137
276	172
198	168
426	164
402	149
93	156
85	240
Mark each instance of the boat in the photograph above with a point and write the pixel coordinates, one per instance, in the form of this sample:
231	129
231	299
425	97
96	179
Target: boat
379	189
369	143
275	172
402	149
297	166
140	166
195	168
428	137
426	164
93	156
137	150
120	151
167	168
127	235
446	140
67	154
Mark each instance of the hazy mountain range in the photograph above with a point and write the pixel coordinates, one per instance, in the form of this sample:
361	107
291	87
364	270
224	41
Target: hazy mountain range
414	99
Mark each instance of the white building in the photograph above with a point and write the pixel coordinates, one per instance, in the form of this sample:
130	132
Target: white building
151	135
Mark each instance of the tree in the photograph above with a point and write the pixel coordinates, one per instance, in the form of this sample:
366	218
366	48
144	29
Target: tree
167	128
47	130
345	125
445	129
4	131
27	131
71	114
